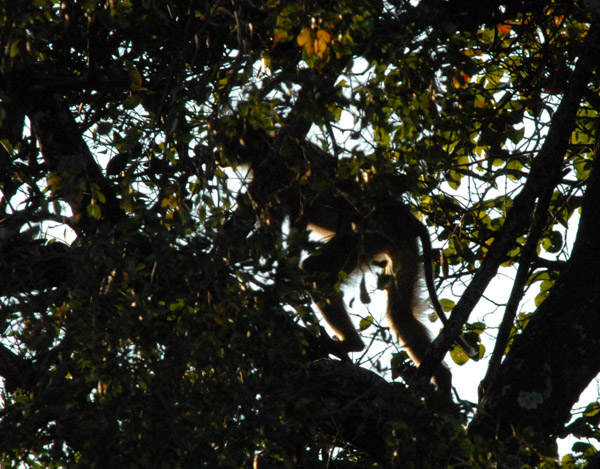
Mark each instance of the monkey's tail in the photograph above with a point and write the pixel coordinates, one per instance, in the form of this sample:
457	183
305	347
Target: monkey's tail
437	306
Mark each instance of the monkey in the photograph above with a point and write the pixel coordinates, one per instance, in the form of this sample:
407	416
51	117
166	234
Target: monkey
353	238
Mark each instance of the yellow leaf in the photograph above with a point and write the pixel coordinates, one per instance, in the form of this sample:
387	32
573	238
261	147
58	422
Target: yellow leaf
320	48
304	37
324	36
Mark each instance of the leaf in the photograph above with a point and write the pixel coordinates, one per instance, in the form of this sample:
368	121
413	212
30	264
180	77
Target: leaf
365	323
15	49
94	210
592	409
476	327
323	38
134	75
503	28
458	355
97	195
514	166
304	38
553	243
516	135
447	305
314	43
279	35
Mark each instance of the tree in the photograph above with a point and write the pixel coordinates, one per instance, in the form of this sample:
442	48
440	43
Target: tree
153	310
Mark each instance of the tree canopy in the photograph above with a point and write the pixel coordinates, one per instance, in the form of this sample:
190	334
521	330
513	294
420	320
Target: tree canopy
152	309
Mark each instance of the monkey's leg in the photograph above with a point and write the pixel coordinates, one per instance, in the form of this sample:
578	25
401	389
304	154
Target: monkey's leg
415	336
334	311
402	226
339	254
403	310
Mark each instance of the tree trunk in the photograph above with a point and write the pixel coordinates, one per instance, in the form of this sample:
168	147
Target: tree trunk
558	354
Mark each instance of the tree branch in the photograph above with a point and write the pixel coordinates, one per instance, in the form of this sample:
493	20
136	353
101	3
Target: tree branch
528	255
545	172
75	173
561	342
388	421
14	369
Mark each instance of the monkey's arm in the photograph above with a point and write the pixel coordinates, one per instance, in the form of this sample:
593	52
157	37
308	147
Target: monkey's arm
338	254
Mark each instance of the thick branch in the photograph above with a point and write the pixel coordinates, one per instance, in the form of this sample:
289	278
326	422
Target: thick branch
74	172
528	254
14	369
28	266
388	421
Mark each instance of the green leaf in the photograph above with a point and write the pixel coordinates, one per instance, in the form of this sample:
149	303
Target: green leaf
458	355
592	409
365	323
516	135
447	305
94	210
553	242
15	49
